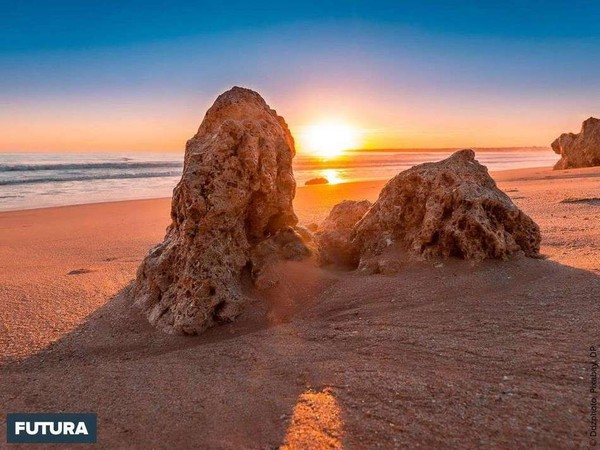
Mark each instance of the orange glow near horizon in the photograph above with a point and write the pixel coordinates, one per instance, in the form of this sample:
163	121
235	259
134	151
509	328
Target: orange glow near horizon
169	134
323	127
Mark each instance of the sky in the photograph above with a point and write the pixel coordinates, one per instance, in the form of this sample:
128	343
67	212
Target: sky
139	75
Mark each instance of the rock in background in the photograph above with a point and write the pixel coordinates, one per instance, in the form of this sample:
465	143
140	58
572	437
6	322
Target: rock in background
232	209
318	180
450	208
333	235
579	150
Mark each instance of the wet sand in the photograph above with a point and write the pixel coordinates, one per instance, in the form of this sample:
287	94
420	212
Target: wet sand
490	354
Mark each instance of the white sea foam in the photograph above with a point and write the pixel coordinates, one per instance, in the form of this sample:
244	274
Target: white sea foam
33	180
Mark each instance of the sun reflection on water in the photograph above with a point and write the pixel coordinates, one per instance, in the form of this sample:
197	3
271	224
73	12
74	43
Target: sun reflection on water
332	175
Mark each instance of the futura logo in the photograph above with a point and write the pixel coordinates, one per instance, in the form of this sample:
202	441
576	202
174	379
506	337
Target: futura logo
54	428
45	428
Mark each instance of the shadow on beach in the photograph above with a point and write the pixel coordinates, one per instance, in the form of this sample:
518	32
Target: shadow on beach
488	354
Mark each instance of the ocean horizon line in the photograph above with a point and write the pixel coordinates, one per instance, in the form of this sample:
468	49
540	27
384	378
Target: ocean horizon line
298	151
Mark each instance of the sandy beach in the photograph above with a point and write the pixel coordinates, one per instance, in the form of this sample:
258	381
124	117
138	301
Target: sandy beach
493	354
299	225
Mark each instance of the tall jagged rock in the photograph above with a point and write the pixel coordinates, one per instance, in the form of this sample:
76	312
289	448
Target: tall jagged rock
235	194
443	209
579	150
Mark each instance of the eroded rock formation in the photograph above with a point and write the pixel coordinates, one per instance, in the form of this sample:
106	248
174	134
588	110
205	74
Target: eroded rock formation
333	235
579	150
443	209
232	209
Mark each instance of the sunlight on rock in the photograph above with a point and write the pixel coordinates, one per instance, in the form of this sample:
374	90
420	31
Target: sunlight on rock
316	423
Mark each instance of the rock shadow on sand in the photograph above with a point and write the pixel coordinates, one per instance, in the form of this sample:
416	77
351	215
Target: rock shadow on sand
491	353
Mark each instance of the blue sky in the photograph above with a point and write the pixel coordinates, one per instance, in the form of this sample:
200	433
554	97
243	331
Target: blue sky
139	75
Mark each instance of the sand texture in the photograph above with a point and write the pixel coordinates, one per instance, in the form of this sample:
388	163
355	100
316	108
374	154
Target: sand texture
455	355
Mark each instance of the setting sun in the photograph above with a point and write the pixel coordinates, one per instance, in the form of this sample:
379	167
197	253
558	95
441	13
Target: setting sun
329	139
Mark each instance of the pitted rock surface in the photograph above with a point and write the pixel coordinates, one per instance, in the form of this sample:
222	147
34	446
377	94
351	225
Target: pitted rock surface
235	193
450	208
579	150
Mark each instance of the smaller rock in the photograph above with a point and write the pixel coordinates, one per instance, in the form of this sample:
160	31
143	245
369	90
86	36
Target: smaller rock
333	236
79	271
450	208
579	150
313	227
385	264
305	233
287	244
318	180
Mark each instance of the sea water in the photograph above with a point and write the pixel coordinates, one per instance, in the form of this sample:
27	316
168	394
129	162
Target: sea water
35	180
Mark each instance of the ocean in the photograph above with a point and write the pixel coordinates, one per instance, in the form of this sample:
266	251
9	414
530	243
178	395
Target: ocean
36	180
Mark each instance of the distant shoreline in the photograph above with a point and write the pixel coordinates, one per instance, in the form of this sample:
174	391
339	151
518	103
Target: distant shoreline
325	189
